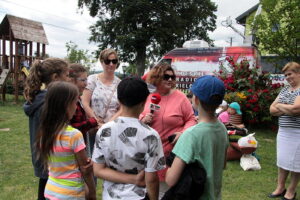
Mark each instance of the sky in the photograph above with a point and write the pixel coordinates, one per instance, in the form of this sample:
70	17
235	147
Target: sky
64	22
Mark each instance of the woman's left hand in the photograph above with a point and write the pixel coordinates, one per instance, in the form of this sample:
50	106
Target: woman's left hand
178	134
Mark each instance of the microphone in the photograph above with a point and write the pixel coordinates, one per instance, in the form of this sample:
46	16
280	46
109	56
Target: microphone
155	99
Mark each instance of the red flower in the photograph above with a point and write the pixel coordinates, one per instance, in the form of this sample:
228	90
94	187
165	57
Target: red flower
274	86
252	121
230	88
250	90
255	109
265	91
252	101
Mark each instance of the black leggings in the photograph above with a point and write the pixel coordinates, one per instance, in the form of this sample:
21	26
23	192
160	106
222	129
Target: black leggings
42	184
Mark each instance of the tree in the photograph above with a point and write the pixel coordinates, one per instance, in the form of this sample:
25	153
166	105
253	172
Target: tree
75	55
278	28
143	29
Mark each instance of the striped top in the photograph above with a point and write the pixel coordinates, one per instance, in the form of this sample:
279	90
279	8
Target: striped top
287	96
65	180
235	119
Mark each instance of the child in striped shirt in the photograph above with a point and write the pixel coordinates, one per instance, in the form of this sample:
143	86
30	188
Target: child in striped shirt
62	148
235	115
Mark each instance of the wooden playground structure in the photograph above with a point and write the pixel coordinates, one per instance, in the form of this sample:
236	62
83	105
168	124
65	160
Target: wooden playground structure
18	51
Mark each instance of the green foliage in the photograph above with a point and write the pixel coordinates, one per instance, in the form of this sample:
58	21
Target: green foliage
146	28
253	90
278	28
75	55
10	89
131	69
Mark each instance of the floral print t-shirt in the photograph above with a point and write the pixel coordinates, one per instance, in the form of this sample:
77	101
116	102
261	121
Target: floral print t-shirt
101	95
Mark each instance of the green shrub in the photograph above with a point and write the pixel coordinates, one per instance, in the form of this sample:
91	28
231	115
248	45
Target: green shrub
10	89
249	87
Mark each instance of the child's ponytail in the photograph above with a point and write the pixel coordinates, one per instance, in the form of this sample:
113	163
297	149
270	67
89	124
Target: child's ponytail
33	81
41	72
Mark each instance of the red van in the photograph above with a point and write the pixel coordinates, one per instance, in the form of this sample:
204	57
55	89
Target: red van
191	63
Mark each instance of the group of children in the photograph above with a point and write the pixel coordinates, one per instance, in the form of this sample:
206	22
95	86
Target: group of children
55	145
127	153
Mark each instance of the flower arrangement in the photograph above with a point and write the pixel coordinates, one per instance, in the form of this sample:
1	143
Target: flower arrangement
249	87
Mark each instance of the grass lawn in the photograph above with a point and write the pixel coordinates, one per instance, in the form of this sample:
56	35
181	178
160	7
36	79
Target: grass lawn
18	182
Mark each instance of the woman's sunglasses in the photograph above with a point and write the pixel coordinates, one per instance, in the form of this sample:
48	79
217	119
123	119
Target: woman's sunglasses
167	77
82	79
114	61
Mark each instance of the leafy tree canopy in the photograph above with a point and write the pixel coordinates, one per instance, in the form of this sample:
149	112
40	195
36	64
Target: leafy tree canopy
75	55
143	29
278	28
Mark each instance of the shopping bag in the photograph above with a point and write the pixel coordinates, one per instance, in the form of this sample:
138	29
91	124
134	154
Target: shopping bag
248	141
247	144
249	162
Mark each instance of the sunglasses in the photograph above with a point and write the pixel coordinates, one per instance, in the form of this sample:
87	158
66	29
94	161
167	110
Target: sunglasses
167	77
114	61
82	79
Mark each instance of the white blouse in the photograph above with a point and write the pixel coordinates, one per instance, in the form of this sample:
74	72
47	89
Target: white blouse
101	95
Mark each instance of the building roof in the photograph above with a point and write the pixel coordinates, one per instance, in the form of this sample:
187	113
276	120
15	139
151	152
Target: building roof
23	29
242	18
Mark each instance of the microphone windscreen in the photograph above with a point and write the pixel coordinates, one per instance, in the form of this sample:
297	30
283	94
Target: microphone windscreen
155	98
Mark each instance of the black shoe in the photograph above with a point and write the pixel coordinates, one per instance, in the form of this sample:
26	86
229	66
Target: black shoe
277	195
294	198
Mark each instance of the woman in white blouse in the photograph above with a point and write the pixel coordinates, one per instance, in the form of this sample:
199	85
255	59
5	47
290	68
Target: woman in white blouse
99	98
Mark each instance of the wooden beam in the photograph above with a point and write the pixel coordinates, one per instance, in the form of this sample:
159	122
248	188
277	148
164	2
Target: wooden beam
26	50
3	45
30	53
10	49
16	70
38	50
4	56
44	51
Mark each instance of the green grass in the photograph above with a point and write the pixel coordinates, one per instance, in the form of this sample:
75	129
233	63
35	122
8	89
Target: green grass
17	180
239	184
